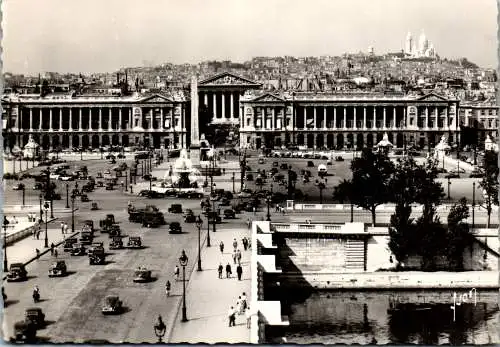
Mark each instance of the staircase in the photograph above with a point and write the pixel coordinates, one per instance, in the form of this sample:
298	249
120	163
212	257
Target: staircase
355	255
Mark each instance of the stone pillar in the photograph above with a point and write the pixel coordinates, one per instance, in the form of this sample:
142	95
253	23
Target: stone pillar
324	120
394	117
345	118
70	139
305	118
215	105
100	121
273	119
314	119
426	125
447	125
31	119
70	120
60	121
120	118
80	118
162	119
374	119
384	119
355	119
90	122
223	106
109	119
364	118
51	125
334	117
436	124
205	95
231	107
263	115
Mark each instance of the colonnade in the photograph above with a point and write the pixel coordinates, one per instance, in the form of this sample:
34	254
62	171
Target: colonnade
224	104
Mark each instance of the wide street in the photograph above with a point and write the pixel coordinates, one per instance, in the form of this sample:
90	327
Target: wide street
72	304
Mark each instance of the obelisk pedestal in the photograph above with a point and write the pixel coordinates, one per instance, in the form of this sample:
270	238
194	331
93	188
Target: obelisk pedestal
194	149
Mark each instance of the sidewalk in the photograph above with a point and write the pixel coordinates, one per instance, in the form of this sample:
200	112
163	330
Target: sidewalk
23	251
209	298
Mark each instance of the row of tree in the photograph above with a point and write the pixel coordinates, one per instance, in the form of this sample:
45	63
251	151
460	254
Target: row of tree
377	180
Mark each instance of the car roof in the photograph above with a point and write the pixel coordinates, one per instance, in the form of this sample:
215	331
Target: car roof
134	237
17	265
33	309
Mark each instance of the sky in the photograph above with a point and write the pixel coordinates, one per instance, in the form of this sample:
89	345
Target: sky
105	35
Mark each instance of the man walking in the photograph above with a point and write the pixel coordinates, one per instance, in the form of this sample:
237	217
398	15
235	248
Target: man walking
235	244
176	272
239	271
221	246
62	228
228	270
167	288
220	269
232	317
238	256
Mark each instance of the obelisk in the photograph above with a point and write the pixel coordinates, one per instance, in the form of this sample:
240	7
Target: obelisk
194	149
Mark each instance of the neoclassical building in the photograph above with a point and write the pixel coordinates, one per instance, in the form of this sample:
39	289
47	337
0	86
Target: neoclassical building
345	120
93	121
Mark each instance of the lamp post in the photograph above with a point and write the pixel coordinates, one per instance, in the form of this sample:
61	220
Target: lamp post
73	197
160	329
41	211
208	230
268	201
24	192
5	223
183	260
67	195
473	203
46	245
199	224
449	184
206	175
233	183
126	181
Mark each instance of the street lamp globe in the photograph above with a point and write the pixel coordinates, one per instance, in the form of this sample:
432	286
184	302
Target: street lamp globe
199	222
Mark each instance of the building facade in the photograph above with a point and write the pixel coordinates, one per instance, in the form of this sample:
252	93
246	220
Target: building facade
69	121
481	116
337	121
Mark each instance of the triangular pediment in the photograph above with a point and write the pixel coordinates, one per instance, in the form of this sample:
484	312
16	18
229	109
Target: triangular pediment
228	79
157	98
268	97
432	97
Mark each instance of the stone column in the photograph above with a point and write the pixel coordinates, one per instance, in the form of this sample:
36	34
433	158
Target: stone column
120	119
100	121
232	104
355	119
31	119
60	120
364	118
447	125
215	105
70	120
334	117
109	119
51	125
324	119
162	119
305	117
374	119
263	115
80	118
273	119
394	117
205	95
426	125
223	106
436	124
345	118
90	123
314	119
384	118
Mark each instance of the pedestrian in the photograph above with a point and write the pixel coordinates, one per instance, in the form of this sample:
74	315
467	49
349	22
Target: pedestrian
55	252
239	271
38	234
235	244
244	300
34	233
248	223
238	256
65	228
221	246
249	317
220	269
245	243
277	209
62	228
176	272
51	250
228	271
232	317
167	288
234	257
238	305
37	252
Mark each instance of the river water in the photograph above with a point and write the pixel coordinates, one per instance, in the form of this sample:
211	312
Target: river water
419	317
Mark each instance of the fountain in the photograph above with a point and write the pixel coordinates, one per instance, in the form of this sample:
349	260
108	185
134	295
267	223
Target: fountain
183	174
441	148
31	149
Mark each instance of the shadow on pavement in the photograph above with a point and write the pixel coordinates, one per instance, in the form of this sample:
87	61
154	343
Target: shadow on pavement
7	303
69	273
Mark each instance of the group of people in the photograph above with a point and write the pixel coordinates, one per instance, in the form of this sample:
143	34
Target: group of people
236	259
64	228
239	309
32	217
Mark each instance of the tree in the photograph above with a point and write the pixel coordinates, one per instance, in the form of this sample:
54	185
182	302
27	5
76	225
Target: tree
489	182
428	192
459	234
370	184
402	233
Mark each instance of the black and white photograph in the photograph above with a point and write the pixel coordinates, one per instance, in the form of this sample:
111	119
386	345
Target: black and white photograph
250	172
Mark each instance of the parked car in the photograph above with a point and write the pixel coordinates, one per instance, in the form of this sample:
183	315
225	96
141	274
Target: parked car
17	272
175	228
34	316
68	244
112	305
175	208
25	332
134	242
229	213
476	174
142	275
116	243
78	249
58	269
214	216
190	218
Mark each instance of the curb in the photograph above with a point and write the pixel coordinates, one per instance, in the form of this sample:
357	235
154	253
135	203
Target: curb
46	251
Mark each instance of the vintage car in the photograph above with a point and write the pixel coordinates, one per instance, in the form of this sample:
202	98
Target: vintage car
97	257
68	244
112	305
214	216
34	316
135	216
86	237
58	269
189	218
175	228
78	249
116	243
142	275
17	272
25	332
89	223
114	230
134	242
153	220
106	222
109	186
88	187
94	206
229	213
84	198
94	246
175	208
